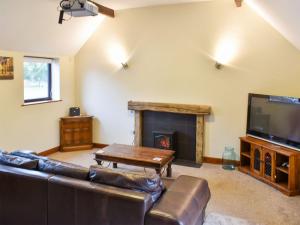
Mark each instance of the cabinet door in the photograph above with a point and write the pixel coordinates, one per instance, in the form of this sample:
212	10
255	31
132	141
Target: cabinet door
77	136
67	137
86	131
256	159
269	164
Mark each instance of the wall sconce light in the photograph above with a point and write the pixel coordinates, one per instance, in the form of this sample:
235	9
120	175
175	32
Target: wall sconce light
118	55
218	65
225	51
125	66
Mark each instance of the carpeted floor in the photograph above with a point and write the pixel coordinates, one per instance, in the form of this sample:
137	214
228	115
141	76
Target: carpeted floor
234	194
219	219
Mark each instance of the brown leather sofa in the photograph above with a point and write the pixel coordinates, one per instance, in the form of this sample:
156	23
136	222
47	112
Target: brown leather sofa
29	197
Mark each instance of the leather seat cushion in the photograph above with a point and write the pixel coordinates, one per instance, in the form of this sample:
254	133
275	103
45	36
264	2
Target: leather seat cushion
167	182
151	184
17	161
64	169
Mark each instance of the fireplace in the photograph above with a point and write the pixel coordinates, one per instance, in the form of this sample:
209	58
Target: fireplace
171	131
186	121
164	140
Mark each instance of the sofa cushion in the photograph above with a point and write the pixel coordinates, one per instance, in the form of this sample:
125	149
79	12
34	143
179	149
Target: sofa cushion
2	151
64	169
145	183
26	151
167	182
28	154
17	161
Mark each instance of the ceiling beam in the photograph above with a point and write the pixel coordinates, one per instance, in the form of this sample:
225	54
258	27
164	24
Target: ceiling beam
238	3
104	10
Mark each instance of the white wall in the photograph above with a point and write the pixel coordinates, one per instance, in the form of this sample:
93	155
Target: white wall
33	127
171	51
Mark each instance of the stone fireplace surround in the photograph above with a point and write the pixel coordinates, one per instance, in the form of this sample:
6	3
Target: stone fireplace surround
199	110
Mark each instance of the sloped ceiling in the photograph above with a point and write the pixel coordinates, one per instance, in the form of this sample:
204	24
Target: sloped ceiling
32	25
126	4
283	15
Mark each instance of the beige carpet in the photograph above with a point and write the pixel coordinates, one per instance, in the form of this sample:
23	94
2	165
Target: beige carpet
233	193
219	219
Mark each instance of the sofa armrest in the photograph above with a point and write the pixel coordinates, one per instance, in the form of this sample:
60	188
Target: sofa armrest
183	203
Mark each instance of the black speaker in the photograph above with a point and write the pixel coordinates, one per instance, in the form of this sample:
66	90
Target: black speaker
74	111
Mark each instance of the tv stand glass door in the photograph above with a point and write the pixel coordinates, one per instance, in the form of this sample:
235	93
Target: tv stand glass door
269	164
256	159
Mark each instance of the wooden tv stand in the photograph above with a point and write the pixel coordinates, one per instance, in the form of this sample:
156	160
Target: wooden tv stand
263	160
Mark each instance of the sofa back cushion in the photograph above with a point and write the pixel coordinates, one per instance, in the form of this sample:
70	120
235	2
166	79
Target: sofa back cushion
151	184
28	154
64	169
74	201
17	161
55	167
23	196
2	151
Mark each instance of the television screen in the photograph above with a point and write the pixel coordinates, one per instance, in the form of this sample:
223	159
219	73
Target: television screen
274	118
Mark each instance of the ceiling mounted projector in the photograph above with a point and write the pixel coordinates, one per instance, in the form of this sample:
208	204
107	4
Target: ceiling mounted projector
82	8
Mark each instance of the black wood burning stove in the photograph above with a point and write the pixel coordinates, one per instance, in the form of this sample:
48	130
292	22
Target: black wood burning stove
164	140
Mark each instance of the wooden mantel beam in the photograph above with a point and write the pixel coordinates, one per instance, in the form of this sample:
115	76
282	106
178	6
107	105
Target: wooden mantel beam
169	107
238	3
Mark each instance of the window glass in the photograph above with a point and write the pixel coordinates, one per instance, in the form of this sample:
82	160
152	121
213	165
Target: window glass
37	79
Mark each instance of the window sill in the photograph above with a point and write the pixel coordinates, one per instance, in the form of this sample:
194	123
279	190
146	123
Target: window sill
41	102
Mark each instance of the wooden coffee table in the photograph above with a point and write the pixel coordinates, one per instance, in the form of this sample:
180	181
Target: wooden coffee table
137	156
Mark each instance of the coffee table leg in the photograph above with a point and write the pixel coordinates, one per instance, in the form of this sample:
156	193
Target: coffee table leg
115	165
169	170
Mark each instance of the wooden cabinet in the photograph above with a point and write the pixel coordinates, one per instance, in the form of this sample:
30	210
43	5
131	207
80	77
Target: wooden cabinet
76	133
273	164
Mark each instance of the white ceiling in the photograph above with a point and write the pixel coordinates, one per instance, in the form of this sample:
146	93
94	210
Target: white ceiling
283	15
126	4
32	25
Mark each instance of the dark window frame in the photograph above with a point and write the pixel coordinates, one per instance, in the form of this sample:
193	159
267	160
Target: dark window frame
49	97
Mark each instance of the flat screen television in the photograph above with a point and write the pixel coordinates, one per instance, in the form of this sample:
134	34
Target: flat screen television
275	119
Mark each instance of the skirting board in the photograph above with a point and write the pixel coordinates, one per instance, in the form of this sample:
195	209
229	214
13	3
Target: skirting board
56	149
49	151
216	160
98	145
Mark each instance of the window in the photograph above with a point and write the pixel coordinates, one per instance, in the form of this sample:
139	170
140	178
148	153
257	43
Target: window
38	79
